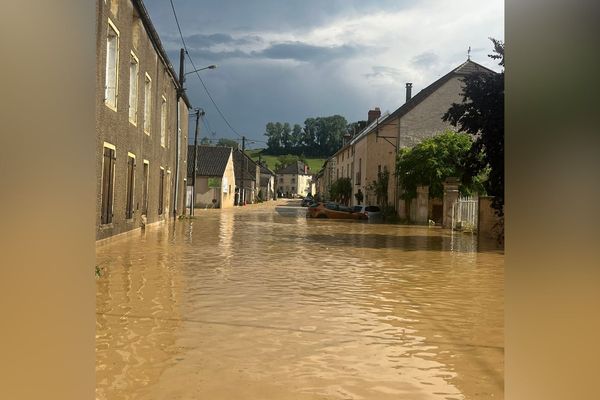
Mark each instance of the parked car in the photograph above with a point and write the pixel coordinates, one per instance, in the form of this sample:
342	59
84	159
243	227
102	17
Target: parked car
307	201
370	212
332	210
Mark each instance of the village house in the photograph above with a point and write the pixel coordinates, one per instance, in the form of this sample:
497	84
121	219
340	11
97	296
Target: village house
141	118
247	178
215	178
294	180
374	149
267	183
325	178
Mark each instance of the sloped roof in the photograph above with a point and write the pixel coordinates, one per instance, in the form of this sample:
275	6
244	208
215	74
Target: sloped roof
295	168
239	159
265	170
211	160
466	68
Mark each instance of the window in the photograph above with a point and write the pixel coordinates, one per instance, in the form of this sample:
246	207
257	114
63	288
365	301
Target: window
293	180
108	181
163	121
161	191
147	104
112	66
145	187
130	185
133	88
293	189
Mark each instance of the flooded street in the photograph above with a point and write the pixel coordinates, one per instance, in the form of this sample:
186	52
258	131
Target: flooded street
262	303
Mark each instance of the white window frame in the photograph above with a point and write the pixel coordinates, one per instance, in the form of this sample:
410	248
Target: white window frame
147	104
108	103
163	122
134	96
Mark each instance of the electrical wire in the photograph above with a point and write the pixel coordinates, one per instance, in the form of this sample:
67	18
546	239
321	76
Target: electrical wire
198	74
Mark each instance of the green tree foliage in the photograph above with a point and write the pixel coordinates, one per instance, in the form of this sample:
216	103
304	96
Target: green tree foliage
380	187
432	161
205	141
341	190
228	143
321	136
482	114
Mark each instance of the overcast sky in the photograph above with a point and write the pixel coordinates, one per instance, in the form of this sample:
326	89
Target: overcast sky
290	60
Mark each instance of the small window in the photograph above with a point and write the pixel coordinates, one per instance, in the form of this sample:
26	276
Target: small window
147	104
145	187
108	181
130	185
112	66
133	88
161	191
163	122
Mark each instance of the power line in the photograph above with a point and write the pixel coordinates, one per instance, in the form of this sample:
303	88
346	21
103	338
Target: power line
198	73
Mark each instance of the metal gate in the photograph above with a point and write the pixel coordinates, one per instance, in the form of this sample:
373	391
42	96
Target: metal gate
464	214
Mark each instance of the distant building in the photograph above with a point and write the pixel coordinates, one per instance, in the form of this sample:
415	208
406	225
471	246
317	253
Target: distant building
215	178
137	114
294	180
247	178
267	183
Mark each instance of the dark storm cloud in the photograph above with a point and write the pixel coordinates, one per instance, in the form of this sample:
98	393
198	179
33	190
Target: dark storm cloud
206	41
380	71
425	60
300	51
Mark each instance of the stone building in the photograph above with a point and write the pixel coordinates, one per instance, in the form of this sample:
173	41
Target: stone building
374	149
294	180
140	120
247	178
267	183
215	178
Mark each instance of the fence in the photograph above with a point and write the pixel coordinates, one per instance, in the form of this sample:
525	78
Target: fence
464	214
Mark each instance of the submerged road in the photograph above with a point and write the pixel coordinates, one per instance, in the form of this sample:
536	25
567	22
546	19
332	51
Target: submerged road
260	303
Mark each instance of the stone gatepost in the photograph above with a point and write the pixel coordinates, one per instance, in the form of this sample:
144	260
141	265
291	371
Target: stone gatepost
422	216
450	197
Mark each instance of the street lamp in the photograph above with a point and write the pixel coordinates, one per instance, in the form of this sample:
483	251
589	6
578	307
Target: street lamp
212	66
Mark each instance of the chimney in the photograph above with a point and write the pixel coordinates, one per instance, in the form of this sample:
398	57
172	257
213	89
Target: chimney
408	91
373	115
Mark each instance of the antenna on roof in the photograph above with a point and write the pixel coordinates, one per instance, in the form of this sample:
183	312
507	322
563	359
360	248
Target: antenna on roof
469	53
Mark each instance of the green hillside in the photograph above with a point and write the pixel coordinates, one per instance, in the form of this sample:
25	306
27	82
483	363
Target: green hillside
314	164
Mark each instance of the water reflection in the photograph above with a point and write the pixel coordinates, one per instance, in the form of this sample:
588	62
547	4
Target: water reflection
264	303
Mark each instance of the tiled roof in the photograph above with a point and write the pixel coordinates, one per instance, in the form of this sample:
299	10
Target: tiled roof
265	170
238	159
296	168
466	68
211	160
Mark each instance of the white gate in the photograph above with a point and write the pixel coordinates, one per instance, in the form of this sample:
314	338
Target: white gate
464	214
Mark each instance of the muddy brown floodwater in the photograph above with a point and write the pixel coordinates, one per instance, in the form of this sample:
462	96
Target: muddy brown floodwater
261	303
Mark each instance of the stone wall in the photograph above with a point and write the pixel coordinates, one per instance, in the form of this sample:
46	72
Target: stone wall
488	224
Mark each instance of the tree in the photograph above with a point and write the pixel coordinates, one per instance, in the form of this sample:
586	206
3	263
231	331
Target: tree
296	139
205	141
341	190
228	143
380	187
433	160
482	114
287	159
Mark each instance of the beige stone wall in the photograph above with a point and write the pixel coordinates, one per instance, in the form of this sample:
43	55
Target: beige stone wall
382	153
228	199
114	127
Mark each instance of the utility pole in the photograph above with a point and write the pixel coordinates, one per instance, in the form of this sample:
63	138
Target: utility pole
193	201
242	191
177	139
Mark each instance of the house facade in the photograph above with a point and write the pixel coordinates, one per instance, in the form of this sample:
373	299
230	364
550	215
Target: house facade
294	180
215	177
247	178
267	183
140	120
374	149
